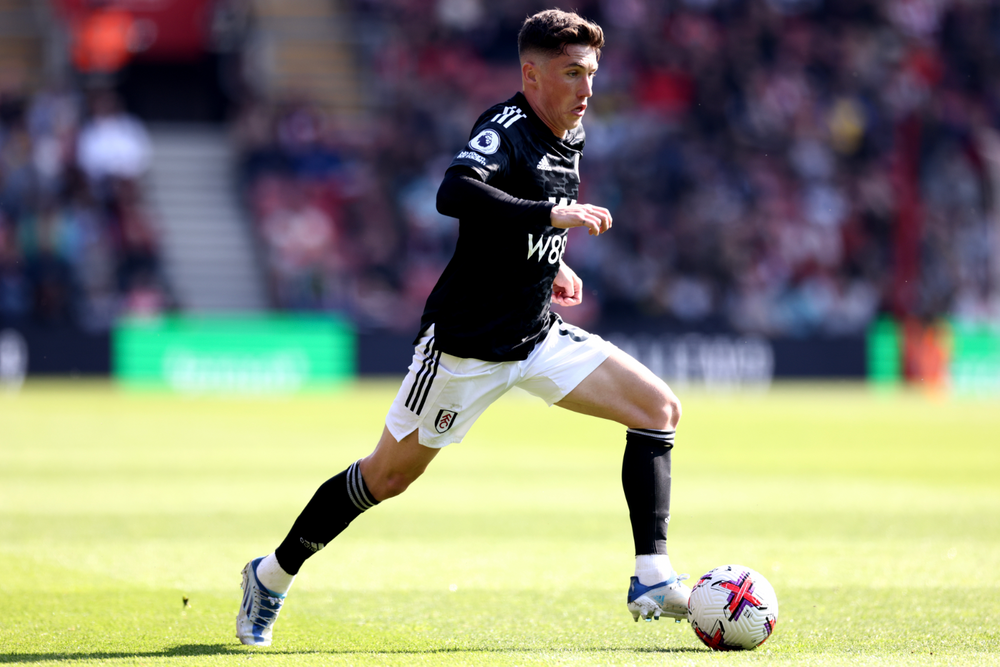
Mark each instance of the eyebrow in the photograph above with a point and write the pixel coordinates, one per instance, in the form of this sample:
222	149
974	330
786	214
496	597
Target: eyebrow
580	64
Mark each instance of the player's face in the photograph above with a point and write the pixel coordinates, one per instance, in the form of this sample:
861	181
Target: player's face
561	87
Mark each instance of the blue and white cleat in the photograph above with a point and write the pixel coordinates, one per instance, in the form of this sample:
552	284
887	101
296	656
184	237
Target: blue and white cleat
668	598
259	609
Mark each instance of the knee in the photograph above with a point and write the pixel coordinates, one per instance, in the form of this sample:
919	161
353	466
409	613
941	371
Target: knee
391	485
385	483
665	413
393	466
671	410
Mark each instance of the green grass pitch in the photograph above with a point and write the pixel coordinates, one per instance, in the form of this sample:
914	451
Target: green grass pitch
875	516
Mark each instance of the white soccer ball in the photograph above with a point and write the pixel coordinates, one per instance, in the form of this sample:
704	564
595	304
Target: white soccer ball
733	608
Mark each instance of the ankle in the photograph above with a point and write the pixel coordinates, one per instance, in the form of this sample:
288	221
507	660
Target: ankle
273	576
652	569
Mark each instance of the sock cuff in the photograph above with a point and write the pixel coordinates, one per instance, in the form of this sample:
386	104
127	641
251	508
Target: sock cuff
651	435
357	490
652	569
275	578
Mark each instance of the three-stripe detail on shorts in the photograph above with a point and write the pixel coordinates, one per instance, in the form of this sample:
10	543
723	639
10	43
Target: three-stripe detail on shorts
424	379
356	488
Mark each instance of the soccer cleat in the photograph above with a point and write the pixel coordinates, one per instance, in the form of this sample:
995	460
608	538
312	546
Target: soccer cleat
259	609
668	598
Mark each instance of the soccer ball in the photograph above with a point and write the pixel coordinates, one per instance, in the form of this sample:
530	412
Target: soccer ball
733	608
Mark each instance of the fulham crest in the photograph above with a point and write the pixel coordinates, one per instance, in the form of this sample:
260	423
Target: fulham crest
486	142
444	420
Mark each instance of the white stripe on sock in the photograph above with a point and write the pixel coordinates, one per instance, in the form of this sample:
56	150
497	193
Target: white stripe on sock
362	494
358	486
350	487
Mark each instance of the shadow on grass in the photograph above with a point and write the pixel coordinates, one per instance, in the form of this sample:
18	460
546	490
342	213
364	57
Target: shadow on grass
228	649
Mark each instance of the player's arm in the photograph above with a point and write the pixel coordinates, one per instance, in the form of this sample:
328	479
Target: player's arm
463	195
567	288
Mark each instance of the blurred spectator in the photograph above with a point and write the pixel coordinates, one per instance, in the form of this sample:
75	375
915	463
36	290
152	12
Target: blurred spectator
76	248
15	294
112	143
301	240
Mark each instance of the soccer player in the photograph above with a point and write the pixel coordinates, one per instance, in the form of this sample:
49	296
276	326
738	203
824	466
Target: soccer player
487	327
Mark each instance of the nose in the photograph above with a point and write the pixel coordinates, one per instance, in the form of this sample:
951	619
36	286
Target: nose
587	87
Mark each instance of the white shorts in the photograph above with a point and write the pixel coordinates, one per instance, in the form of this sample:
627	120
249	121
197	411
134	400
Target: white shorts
444	395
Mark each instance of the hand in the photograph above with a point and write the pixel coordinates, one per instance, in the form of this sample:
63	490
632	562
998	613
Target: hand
567	288
597	220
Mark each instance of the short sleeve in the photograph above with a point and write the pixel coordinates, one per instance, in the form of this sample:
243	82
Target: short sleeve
487	153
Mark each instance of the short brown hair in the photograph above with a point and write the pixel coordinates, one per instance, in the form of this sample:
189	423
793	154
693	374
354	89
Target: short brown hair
552	30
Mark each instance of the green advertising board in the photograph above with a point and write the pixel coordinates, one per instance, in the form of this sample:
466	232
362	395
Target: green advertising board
885	353
975	358
971	352
234	354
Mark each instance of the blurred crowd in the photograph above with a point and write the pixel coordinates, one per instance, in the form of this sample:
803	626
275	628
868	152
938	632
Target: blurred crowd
77	246
785	167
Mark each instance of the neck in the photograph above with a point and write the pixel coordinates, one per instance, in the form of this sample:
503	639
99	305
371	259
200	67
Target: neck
560	134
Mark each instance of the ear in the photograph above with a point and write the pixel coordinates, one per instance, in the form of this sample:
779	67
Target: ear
529	73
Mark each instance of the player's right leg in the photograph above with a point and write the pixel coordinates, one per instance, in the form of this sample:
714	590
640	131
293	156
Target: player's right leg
439	400
385	473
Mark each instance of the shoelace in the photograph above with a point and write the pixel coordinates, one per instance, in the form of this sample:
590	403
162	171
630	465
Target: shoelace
265	606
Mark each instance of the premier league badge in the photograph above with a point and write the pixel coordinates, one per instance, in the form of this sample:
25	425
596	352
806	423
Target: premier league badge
486	142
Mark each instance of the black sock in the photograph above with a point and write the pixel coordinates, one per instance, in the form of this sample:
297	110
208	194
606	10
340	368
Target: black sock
336	503
646	480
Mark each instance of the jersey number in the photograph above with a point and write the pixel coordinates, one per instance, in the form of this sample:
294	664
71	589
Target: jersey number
555	245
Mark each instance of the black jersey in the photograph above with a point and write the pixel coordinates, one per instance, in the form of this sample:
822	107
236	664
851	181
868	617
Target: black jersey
492	301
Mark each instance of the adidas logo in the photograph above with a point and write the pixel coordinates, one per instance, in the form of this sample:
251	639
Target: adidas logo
543	164
311	546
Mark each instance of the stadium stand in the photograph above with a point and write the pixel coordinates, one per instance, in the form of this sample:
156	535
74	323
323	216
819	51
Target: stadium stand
77	245
782	167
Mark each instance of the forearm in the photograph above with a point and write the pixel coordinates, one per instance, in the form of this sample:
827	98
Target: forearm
463	196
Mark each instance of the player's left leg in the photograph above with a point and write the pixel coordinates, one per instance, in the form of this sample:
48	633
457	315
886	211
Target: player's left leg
581	372
623	390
